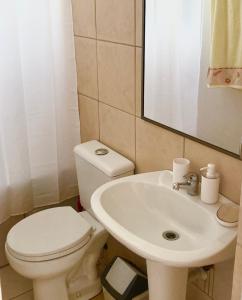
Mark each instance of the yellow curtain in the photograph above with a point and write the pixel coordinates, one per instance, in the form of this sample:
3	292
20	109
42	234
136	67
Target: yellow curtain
225	68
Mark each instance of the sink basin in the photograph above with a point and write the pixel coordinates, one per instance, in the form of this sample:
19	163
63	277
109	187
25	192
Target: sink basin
170	229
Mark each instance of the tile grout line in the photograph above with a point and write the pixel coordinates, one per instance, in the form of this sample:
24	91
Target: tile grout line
22	294
201	287
135	80
121	110
203	292
208	283
184	146
135	22
4	266
87	96
107	41
204	287
98	92
98	120
101	101
212	292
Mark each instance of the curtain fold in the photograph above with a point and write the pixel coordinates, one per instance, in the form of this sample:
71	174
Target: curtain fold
226	44
39	121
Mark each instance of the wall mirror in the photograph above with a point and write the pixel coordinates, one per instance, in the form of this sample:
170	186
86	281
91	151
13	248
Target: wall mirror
176	59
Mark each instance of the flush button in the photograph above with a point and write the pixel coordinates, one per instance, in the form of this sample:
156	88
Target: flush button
101	151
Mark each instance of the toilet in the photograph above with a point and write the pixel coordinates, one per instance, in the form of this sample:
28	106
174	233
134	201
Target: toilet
59	248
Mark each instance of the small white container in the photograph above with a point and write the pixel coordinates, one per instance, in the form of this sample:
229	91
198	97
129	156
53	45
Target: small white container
228	215
210	184
181	167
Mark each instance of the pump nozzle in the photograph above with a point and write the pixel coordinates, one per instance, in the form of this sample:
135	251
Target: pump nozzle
211	171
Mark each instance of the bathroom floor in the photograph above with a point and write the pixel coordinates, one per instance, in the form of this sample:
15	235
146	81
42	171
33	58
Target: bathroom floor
14	286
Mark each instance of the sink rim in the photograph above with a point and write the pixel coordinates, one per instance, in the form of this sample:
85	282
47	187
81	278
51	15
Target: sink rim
209	254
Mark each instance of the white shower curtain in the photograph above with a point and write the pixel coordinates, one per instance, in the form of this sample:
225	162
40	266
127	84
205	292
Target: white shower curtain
39	122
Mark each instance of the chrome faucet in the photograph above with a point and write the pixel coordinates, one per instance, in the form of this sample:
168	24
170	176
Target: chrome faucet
191	184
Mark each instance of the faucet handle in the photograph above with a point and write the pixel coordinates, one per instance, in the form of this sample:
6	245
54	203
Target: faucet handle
193	180
192	177
176	186
192	183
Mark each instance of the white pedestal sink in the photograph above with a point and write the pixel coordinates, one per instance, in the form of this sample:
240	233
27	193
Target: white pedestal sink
170	229
166	282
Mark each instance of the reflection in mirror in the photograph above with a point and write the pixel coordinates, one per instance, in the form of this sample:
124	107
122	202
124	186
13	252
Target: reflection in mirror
177	44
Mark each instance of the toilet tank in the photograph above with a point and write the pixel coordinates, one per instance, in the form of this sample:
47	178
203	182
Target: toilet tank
97	164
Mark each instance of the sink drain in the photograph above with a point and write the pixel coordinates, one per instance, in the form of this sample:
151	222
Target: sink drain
170	235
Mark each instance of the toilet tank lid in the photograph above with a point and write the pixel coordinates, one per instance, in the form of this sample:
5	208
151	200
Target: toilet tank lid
112	163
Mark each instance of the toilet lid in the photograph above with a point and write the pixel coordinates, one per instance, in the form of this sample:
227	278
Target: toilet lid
48	232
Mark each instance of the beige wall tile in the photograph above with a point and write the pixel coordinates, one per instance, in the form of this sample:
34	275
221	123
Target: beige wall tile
84	22
156	147
116	75
237	278
138	81
240	227
117	130
88	119
223	274
229	167
4	229
120	88
86	60
139	23
193	293
116	21
240	221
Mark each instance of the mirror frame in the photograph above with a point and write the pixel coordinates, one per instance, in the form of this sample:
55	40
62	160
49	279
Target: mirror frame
185	135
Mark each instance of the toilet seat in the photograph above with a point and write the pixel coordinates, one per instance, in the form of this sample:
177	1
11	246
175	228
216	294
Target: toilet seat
49	234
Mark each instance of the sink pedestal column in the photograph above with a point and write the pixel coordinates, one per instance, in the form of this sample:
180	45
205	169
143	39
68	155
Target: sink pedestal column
166	282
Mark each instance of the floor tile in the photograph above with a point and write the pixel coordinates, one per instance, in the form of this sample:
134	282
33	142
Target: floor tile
26	296
98	297
13	284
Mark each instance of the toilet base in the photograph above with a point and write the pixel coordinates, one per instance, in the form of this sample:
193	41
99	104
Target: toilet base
50	288
84	289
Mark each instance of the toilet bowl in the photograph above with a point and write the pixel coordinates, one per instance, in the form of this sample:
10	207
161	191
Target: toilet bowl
58	248
36	250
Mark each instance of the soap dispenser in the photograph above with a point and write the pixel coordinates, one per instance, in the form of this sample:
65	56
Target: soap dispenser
210	184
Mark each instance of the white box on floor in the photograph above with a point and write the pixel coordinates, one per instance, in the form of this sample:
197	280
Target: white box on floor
122	280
